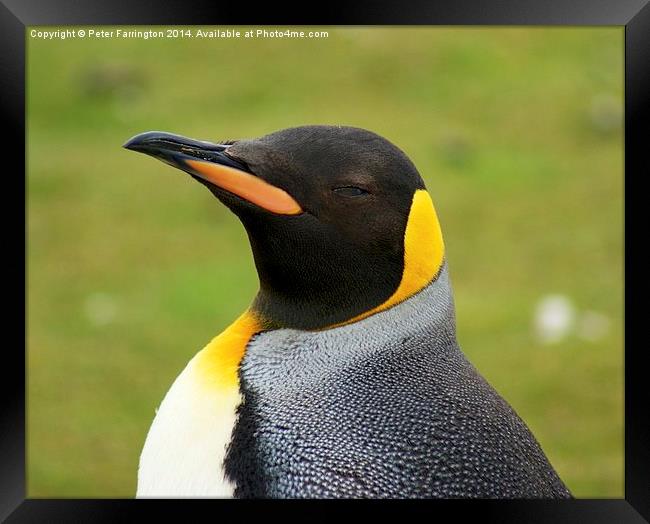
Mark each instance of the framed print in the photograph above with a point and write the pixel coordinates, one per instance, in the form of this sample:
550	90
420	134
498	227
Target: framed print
350	351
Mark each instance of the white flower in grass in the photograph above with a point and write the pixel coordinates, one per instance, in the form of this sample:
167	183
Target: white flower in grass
554	318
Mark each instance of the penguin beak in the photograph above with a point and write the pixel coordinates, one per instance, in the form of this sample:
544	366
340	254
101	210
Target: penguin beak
211	163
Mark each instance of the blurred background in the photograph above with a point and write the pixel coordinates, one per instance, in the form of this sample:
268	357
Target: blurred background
133	267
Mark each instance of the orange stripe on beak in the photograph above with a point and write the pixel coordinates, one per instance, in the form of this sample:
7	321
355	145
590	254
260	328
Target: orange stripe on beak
247	186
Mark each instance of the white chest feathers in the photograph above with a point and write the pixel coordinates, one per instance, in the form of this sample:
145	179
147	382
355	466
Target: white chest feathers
185	448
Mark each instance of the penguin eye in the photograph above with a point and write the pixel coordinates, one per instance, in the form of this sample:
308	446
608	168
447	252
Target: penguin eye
350	191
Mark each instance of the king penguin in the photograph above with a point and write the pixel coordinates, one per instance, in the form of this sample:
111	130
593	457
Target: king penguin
344	378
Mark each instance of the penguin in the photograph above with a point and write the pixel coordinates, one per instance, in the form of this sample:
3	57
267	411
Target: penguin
344	377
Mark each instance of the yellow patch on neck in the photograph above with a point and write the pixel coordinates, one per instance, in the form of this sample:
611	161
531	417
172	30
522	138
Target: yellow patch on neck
218	362
424	251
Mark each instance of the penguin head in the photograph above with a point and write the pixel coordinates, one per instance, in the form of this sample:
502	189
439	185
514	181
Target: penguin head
339	220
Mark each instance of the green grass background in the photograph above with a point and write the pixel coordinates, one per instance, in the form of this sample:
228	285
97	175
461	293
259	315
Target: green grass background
517	132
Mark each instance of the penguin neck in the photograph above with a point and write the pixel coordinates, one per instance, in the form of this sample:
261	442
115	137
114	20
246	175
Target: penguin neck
429	314
425	319
334	284
325	283
326	308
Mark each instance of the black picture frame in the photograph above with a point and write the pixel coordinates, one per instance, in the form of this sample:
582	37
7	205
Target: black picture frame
15	15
